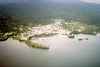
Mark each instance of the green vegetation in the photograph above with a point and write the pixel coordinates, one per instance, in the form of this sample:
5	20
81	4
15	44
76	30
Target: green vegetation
71	36
28	42
80	39
41	35
81	28
3	37
16	18
16	38
36	45
8	27
7	24
90	29
72	26
75	32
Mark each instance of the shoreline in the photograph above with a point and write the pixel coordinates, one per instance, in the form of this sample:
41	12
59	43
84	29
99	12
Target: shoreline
70	30
36	43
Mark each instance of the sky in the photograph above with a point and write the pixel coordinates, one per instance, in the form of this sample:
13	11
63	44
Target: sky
92	1
88	1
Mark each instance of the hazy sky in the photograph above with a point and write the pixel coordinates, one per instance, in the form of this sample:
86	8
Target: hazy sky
89	1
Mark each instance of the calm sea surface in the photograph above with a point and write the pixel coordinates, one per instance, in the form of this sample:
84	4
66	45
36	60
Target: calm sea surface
63	52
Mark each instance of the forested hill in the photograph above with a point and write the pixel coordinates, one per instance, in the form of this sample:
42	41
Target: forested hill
42	13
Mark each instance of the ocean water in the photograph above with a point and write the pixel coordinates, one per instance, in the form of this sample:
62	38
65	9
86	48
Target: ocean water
63	52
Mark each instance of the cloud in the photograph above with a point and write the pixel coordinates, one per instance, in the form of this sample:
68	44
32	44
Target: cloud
92	1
